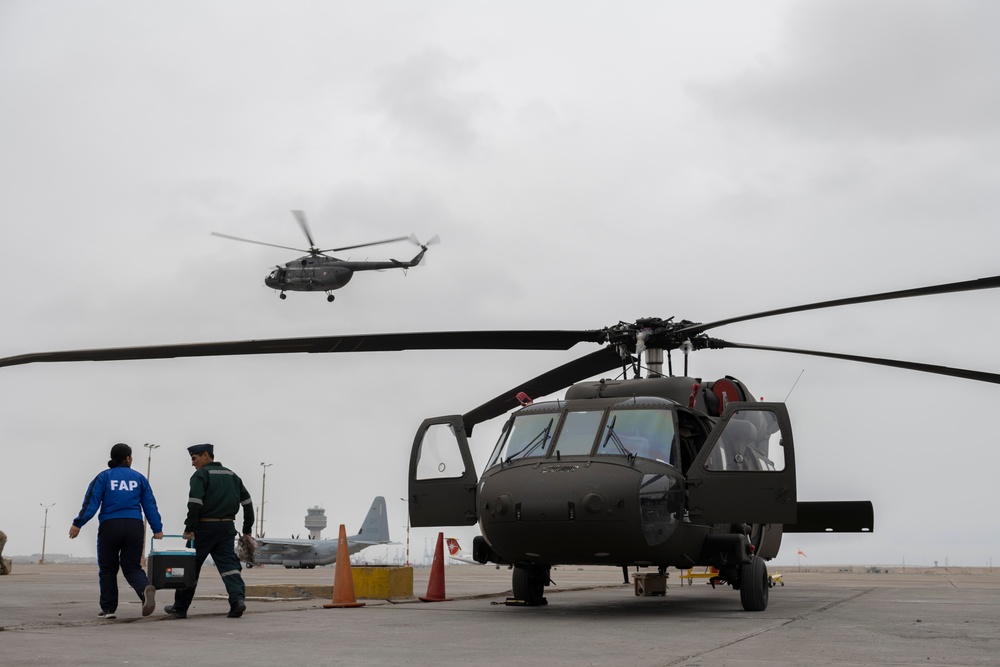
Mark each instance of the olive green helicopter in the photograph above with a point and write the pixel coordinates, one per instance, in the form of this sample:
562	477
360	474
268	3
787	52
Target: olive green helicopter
657	471
318	271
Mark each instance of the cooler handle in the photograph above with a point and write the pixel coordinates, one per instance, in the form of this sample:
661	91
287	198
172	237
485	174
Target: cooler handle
189	544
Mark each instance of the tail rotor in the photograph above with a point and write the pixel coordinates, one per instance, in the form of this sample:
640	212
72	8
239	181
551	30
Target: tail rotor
434	240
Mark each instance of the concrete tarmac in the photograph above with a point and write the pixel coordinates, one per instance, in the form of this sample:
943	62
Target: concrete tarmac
905	617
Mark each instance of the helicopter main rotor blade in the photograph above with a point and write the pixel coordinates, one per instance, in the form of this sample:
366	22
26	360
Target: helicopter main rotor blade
947	288
272	245
441	340
365	245
982	376
554	380
300	217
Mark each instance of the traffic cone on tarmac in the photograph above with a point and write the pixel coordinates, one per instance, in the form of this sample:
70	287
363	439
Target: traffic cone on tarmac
435	586
343	580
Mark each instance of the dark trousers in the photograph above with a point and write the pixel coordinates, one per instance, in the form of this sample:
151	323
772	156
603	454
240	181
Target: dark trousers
215	539
119	544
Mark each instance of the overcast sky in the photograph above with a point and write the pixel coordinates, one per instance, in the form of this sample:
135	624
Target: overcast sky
583	162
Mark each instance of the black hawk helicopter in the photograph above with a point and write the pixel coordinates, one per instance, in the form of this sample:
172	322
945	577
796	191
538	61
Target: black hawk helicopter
661	471
318	271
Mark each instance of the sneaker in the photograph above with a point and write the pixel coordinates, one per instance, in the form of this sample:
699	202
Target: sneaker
237	609
148	600
107	615
176	613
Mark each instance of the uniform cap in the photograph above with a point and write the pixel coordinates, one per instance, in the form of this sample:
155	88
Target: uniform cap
198	449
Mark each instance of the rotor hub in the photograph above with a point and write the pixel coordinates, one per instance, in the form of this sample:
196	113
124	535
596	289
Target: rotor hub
654	332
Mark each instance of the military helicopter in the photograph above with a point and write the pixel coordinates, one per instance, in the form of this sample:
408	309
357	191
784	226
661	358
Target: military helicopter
318	271
662	471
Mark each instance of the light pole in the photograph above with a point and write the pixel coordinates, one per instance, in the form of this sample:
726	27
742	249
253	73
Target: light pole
45	529
407	530
149	465
149	456
263	482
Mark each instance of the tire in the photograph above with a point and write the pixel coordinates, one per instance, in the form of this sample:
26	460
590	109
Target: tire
528	584
754	585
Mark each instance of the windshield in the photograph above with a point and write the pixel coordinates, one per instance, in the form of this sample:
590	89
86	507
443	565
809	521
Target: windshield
529	436
644	433
578	432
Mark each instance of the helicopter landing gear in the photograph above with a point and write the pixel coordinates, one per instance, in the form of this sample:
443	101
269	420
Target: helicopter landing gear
330	298
282	296
754	585
528	586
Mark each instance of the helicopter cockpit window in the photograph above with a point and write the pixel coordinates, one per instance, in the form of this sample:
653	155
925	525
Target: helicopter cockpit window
578	432
529	435
751	441
644	433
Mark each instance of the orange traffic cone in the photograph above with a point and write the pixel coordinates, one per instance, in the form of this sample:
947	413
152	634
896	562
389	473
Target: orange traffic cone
435	586
343	580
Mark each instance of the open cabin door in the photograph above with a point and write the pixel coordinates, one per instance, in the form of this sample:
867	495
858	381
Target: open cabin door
442	475
745	472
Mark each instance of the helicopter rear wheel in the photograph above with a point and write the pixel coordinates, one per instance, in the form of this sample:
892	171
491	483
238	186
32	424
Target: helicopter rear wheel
282	296
754	585
528	584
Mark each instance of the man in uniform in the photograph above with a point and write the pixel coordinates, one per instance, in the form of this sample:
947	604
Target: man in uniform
215	498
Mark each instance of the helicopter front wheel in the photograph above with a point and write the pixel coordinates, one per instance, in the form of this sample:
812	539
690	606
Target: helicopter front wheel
754	585
330	298
282	296
528	585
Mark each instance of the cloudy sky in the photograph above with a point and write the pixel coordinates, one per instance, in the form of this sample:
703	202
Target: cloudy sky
583	162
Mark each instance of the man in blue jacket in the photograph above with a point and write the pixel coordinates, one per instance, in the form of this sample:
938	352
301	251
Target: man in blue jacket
122	495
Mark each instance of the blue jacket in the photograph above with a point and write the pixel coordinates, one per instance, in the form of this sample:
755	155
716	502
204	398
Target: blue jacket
120	493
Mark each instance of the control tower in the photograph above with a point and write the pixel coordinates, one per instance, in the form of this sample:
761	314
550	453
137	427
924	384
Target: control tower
315	522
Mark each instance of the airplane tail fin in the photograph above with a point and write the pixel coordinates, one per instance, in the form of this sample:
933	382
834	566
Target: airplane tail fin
453	545
375	529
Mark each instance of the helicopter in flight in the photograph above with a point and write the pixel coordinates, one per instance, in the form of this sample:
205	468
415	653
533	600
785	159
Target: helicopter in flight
657	471
318	271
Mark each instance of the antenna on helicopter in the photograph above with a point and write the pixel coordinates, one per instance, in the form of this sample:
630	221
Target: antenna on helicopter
793	385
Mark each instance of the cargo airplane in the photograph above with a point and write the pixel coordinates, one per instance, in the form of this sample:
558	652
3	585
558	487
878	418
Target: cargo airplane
310	553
